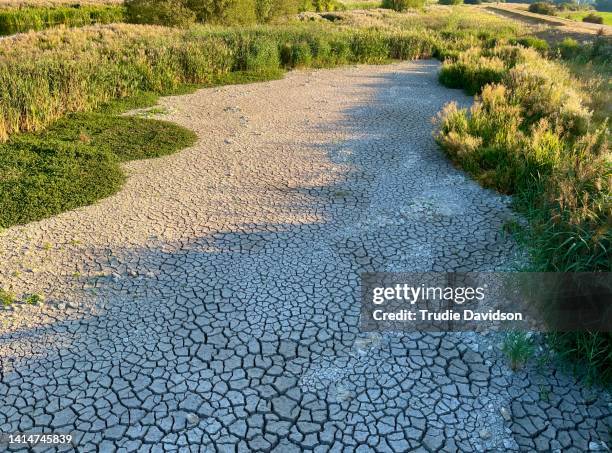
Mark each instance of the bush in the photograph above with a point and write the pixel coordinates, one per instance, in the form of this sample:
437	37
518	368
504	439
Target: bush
472	2
569	48
529	135
262	56
535	43
450	2
402	5
173	13
593	19
472	71
542	8
296	55
184	12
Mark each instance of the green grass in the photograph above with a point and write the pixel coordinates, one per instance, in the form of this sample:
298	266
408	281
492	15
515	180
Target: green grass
7	297
519	348
578	15
76	162
21	20
348	5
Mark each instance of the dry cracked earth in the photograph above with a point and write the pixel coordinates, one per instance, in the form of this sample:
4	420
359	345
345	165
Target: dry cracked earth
213	304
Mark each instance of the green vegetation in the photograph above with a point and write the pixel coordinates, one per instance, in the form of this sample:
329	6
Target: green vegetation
402	5
34	299
348	5
6	297
41	83
593	18
39	18
543	8
592	348
519	348
572	11
65	157
183	13
76	162
450	2
540	45
530	134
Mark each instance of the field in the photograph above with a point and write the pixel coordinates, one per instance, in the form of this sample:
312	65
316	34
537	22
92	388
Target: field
578	15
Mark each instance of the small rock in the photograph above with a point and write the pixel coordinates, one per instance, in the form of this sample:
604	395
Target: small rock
73	305
228	141
485	433
132	273
505	414
510	444
192	419
61	306
598	445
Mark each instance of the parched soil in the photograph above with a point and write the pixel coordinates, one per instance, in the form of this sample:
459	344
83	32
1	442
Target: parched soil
213	303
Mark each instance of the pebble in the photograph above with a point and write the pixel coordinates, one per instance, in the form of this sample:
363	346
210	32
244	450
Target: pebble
485	433
192	419
598	445
505	414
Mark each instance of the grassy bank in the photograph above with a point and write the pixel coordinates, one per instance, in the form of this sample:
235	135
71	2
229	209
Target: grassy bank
579	15
46	77
530	134
40	18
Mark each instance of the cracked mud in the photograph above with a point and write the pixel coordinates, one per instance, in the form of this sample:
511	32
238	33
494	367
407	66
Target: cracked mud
212	304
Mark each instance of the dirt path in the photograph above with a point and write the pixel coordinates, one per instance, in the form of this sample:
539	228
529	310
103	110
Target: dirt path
212	302
554	28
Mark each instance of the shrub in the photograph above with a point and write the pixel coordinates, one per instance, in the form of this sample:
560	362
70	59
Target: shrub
472	71
529	135
569	48
262	55
542	8
593	19
472	2
569	6
535	43
172	13
450	2
402	5
299	55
